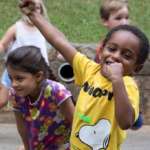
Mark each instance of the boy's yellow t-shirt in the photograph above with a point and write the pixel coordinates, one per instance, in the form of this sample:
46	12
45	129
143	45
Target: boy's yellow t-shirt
94	125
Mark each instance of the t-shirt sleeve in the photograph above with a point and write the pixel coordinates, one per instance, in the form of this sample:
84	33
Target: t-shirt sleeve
82	67
60	93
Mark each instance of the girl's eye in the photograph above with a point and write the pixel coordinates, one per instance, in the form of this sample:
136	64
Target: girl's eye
18	78
10	77
127	55
111	49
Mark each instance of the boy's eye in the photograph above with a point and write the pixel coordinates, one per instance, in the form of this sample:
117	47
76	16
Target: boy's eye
118	18
122	17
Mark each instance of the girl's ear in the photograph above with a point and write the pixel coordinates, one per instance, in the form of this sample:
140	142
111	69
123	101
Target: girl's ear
39	76
100	49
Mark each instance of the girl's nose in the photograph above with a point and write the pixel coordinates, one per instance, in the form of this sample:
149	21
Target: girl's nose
116	56
14	83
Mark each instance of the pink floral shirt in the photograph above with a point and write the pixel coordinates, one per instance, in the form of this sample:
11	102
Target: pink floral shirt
46	126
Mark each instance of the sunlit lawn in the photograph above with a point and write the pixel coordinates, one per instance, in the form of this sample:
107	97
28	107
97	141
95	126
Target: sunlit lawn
78	19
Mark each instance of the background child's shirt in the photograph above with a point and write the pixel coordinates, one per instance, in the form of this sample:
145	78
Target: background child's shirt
26	35
48	129
94	124
29	35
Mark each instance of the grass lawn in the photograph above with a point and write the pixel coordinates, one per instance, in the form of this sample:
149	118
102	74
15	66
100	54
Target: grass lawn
78	19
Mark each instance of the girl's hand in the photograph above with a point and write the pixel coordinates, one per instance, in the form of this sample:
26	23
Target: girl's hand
27	6
112	71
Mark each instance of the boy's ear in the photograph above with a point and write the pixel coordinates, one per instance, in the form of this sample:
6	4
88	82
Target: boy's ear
39	76
138	68
104	22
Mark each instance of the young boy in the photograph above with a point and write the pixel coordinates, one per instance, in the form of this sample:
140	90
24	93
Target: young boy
108	102
112	14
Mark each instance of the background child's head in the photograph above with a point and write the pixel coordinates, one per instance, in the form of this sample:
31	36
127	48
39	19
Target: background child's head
29	59
40	7
142	44
114	13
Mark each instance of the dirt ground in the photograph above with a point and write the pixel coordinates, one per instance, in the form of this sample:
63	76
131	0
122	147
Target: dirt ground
7	117
10	140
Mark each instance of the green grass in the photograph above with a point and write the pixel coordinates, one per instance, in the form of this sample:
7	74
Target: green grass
78	19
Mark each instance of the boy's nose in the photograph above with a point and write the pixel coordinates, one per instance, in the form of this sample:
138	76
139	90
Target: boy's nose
124	21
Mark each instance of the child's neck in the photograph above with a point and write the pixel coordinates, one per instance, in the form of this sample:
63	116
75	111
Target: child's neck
38	92
35	97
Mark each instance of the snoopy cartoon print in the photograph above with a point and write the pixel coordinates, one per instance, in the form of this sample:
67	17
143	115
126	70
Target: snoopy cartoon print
96	136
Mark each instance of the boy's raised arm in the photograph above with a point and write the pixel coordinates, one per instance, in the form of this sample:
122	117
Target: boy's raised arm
50	32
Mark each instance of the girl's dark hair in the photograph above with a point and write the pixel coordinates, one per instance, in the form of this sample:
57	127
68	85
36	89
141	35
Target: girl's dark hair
29	59
143	40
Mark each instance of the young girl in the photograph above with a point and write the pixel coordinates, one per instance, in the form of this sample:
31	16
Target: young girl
108	102
22	33
112	14
43	107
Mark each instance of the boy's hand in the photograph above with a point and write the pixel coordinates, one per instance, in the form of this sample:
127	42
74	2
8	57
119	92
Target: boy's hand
27	6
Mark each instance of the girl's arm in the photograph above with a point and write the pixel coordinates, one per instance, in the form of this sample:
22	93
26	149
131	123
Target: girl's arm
4	95
22	129
67	109
124	111
50	32
9	36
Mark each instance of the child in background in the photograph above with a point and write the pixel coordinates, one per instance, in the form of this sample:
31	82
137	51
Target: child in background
112	14
43	107
108	102
22	33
